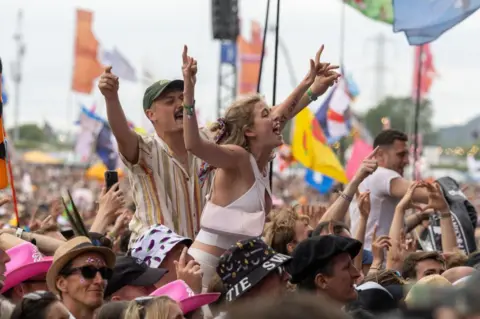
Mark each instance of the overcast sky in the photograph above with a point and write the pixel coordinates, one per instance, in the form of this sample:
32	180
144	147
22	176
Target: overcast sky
151	33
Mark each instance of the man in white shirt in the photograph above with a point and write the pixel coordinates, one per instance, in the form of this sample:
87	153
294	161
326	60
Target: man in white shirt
386	185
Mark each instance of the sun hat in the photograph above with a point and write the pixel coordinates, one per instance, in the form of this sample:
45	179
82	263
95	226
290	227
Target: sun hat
25	262
179	291
152	247
70	250
246	264
417	294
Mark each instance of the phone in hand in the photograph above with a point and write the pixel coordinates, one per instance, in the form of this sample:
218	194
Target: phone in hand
111	178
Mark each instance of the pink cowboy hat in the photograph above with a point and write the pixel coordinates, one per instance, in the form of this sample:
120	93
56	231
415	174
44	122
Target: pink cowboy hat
25	262
179	291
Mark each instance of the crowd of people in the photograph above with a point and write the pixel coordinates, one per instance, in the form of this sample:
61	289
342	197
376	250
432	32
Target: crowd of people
204	238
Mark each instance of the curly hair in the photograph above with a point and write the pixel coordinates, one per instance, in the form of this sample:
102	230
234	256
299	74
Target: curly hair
280	230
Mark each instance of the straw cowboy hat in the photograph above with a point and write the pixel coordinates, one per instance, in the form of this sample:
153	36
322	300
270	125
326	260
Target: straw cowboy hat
71	249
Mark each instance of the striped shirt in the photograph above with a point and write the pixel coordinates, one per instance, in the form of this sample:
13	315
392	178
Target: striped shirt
163	191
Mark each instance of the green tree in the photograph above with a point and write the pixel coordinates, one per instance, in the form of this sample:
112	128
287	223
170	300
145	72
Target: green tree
401	111
30	132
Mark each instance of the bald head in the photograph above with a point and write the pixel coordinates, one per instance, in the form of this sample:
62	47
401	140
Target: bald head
457	273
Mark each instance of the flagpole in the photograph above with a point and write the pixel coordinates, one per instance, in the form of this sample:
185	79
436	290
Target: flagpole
342	34
264	40
417	113
275	65
341	150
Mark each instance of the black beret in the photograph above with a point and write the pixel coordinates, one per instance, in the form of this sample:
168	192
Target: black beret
314	253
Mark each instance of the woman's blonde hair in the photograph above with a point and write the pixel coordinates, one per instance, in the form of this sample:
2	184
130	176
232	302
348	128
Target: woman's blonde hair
231	128
280	230
154	308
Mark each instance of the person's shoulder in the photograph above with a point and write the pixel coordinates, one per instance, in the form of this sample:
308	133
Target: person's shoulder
383	172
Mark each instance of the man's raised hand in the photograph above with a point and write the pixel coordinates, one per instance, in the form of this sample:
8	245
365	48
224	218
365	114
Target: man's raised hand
108	84
190	64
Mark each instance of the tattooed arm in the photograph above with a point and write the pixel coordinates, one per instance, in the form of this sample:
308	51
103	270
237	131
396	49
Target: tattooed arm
324	76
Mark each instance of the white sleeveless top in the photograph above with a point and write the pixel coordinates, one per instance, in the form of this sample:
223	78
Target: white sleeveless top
251	201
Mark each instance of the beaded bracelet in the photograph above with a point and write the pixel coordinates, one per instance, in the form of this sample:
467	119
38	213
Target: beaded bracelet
346	197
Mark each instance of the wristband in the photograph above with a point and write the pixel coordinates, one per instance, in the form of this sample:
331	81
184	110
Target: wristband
19	232
446	215
189	109
310	95
346	197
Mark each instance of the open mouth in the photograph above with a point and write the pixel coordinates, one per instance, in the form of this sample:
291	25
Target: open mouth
276	129
178	115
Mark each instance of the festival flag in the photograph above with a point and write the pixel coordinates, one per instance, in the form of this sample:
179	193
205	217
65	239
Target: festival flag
428	71
321	183
121	67
309	147
96	137
250	54
87	67
380	10
334	114
425	21
360	150
228	53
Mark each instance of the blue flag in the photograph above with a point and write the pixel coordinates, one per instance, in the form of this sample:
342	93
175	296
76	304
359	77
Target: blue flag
425	21
228	53
319	182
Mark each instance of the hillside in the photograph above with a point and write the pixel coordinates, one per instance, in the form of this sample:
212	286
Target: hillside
459	135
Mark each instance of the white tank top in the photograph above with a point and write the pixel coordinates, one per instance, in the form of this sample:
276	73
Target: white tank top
251	201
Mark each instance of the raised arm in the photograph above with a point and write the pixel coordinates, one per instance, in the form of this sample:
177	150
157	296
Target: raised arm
220	156
399	187
126	138
339	208
315	84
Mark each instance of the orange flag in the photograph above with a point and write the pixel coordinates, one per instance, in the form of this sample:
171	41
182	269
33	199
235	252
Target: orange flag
87	67
250	53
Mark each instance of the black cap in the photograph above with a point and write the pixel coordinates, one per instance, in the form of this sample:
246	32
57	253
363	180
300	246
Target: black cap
245	264
314	253
374	298
131	271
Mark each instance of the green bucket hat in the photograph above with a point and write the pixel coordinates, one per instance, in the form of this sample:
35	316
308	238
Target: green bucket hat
155	90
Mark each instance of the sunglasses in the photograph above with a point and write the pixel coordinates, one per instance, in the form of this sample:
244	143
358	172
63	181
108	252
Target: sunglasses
89	272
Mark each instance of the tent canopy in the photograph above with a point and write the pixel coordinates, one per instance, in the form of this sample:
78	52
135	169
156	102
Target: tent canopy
97	172
37	157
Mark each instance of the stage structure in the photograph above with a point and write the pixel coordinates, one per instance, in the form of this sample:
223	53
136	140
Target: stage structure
225	28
